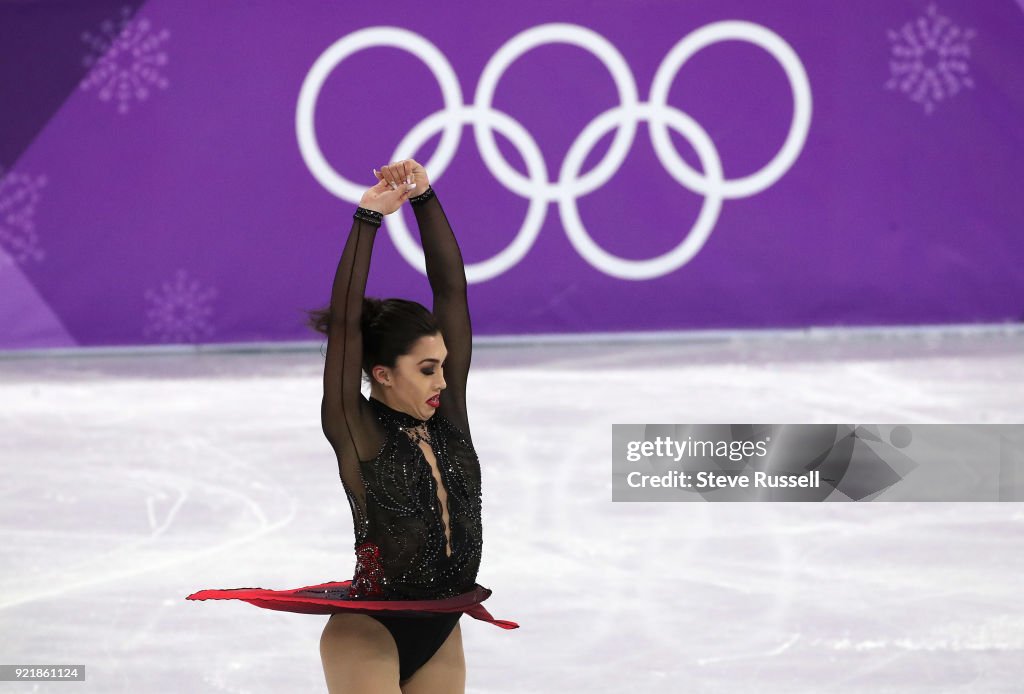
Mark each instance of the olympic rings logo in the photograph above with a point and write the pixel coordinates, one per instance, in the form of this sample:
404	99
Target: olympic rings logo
710	183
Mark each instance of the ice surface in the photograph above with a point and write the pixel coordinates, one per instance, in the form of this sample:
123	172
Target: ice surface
134	480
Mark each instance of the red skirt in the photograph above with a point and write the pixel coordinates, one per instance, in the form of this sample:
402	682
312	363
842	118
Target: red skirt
331	598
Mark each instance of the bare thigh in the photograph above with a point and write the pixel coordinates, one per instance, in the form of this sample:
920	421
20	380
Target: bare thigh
359	656
445	672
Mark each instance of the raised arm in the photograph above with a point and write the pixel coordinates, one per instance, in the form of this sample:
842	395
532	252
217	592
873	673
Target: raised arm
447	275
344	411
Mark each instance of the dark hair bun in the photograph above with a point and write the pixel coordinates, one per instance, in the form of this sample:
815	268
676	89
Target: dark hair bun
390	327
371	310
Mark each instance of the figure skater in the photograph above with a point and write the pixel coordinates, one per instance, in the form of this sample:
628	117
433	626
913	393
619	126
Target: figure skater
406	461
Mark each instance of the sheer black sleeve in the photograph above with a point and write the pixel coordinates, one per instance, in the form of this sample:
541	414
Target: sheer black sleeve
447	275
346	417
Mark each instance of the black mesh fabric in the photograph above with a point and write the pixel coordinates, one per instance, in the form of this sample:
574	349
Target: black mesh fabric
403	551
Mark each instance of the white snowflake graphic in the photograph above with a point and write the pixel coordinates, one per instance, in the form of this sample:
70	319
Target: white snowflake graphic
125	60
929	59
19	195
180	311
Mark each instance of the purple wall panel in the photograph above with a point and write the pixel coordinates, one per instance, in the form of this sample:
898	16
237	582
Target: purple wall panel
168	198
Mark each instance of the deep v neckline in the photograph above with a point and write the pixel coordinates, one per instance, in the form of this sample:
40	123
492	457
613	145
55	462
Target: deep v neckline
437	483
413	428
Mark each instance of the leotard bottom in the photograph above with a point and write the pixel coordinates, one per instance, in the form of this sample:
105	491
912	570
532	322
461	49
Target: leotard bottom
417	638
419	627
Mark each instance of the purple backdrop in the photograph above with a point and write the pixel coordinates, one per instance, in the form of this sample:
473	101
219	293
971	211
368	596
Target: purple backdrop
813	163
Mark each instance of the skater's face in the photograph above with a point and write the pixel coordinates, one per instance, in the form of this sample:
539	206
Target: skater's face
418	377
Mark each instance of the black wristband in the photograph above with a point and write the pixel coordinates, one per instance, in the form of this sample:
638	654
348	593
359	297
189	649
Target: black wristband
422	197
371	216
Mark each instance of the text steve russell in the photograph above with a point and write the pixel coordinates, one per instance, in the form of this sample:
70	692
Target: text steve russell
717	480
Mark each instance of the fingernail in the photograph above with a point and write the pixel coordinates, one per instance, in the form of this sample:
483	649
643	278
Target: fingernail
411	186
394	187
